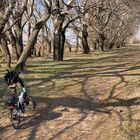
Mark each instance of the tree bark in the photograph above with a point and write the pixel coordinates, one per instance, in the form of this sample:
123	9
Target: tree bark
32	40
111	45
4	16
47	43
6	51
56	45
59	41
19	41
12	39
85	45
101	41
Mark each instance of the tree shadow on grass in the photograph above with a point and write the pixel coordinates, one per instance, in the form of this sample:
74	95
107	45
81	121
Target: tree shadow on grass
83	105
89	103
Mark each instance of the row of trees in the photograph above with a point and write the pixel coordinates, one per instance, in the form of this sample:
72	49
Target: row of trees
99	24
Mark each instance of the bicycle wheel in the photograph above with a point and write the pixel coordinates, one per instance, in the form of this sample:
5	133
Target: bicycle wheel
15	118
30	102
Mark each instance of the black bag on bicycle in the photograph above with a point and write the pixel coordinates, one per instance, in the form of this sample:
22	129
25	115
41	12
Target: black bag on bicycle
10	100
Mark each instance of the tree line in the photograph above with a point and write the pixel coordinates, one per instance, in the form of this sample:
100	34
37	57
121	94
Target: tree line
96	24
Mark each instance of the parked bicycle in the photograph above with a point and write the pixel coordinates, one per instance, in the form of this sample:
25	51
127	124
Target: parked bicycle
15	103
15	110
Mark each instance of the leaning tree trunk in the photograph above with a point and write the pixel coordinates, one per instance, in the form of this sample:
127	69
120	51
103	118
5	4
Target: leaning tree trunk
19	41
6	52
85	45
32	40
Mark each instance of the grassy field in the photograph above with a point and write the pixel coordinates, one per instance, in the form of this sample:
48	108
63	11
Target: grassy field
85	97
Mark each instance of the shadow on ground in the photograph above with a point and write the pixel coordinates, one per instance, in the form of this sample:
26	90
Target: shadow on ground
86	103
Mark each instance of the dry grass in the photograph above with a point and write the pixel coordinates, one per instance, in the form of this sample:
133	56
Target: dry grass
85	97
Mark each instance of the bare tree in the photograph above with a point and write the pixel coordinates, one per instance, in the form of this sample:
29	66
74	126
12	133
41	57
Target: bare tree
24	23
111	22
62	16
6	8
33	37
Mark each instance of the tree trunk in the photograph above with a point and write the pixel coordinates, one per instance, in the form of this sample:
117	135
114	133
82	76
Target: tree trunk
5	16
85	45
62	45
32	40
6	52
69	46
19	41
12	41
77	44
47	44
58	45
95	45
111	45
101	41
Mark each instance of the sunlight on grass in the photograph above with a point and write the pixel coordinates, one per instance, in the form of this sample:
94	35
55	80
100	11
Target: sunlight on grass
108	80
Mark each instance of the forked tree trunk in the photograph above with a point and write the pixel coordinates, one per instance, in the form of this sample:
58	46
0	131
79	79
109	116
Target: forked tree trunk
32	40
59	37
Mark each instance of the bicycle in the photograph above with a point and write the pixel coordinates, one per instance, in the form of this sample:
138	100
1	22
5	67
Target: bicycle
11	101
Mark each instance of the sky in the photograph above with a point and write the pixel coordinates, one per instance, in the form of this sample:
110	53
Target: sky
138	33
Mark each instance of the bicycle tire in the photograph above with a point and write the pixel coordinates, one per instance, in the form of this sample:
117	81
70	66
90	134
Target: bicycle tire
15	118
